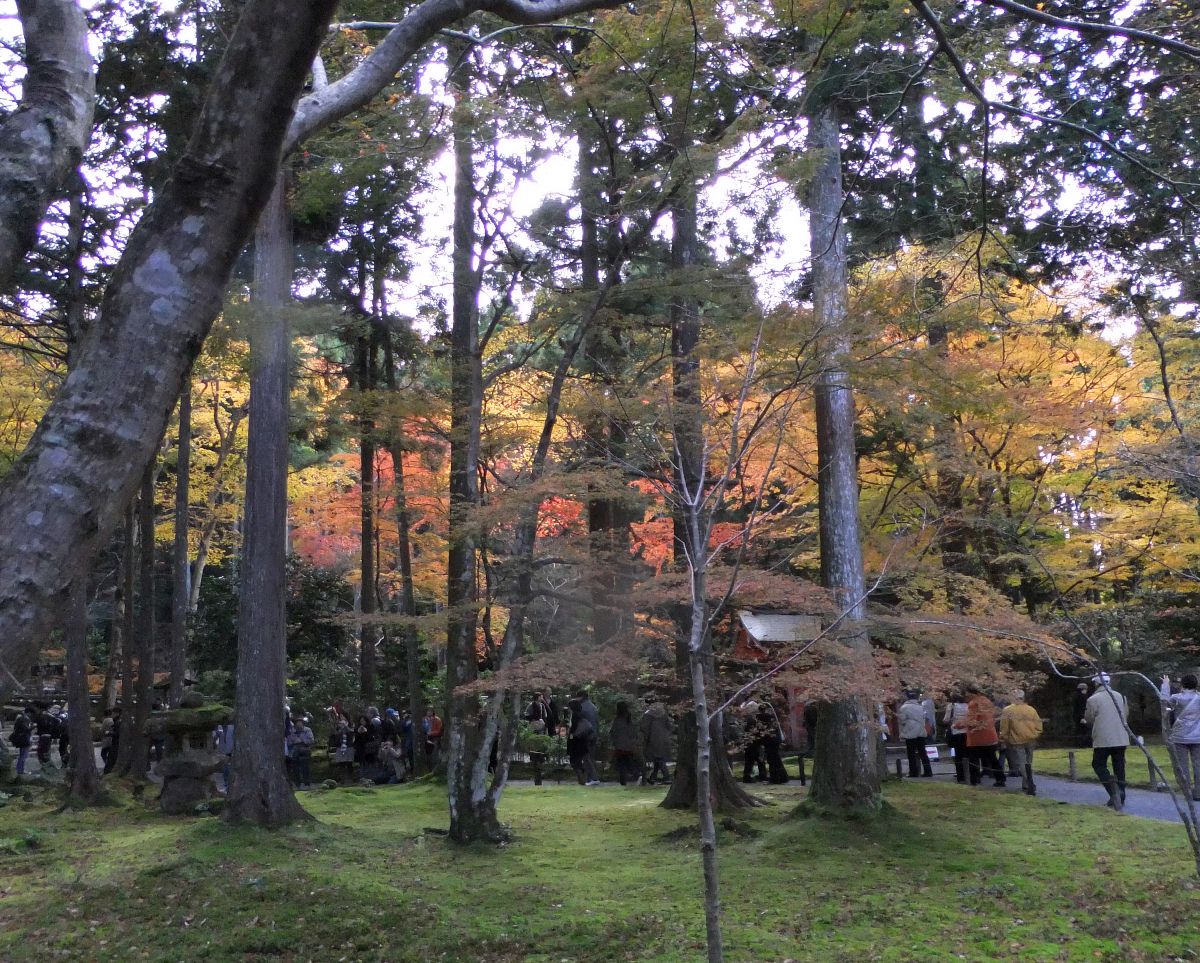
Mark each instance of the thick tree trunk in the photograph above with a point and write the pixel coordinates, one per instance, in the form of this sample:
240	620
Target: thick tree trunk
66	493
260	792
139	750
604	429
84	777
472	810
43	140
180	570
845	759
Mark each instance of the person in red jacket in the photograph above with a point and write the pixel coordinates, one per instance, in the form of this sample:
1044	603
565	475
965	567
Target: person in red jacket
982	740
431	726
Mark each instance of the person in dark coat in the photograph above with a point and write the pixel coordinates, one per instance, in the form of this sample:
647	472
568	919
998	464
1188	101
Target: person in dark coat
579	740
623	737
592	714
752	732
771	741
657	743
20	739
1079	699
47	732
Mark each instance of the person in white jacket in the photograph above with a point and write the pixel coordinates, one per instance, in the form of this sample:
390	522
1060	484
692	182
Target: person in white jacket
913	731
1184	737
1106	712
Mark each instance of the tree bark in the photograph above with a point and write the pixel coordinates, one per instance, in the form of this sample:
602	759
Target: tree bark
128	681
604	432
116	646
705	795
688	467
260	791
472	812
408	594
845	759
180	569
365	363
84	778
66	493
472	809
43	140
139	750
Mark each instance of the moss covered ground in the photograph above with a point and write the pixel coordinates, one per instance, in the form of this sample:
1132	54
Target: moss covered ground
946	873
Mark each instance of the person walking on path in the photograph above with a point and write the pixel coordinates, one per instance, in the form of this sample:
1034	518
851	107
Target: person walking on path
770	734
753	735
579	744
1184	737
1105	713
20	739
955	719
913	731
982	740
622	736
656	740
1020	728
592	714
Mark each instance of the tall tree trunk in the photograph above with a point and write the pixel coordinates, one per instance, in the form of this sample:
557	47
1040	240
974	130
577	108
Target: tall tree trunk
260	791
84	777
116	644
180	569
604	431
705	788
128	682
365	363
408	594
472	814
139	752
688	467
846	772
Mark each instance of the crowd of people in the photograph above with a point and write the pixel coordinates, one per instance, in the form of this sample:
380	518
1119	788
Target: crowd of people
988	737
40	728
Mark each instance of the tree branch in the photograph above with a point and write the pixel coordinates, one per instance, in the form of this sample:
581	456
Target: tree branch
43	140
420	25
1089	28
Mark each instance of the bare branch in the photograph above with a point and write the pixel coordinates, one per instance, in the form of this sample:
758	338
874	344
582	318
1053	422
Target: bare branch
1090	28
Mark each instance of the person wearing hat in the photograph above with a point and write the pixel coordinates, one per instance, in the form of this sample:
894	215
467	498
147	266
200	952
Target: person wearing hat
1106	713
913	729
